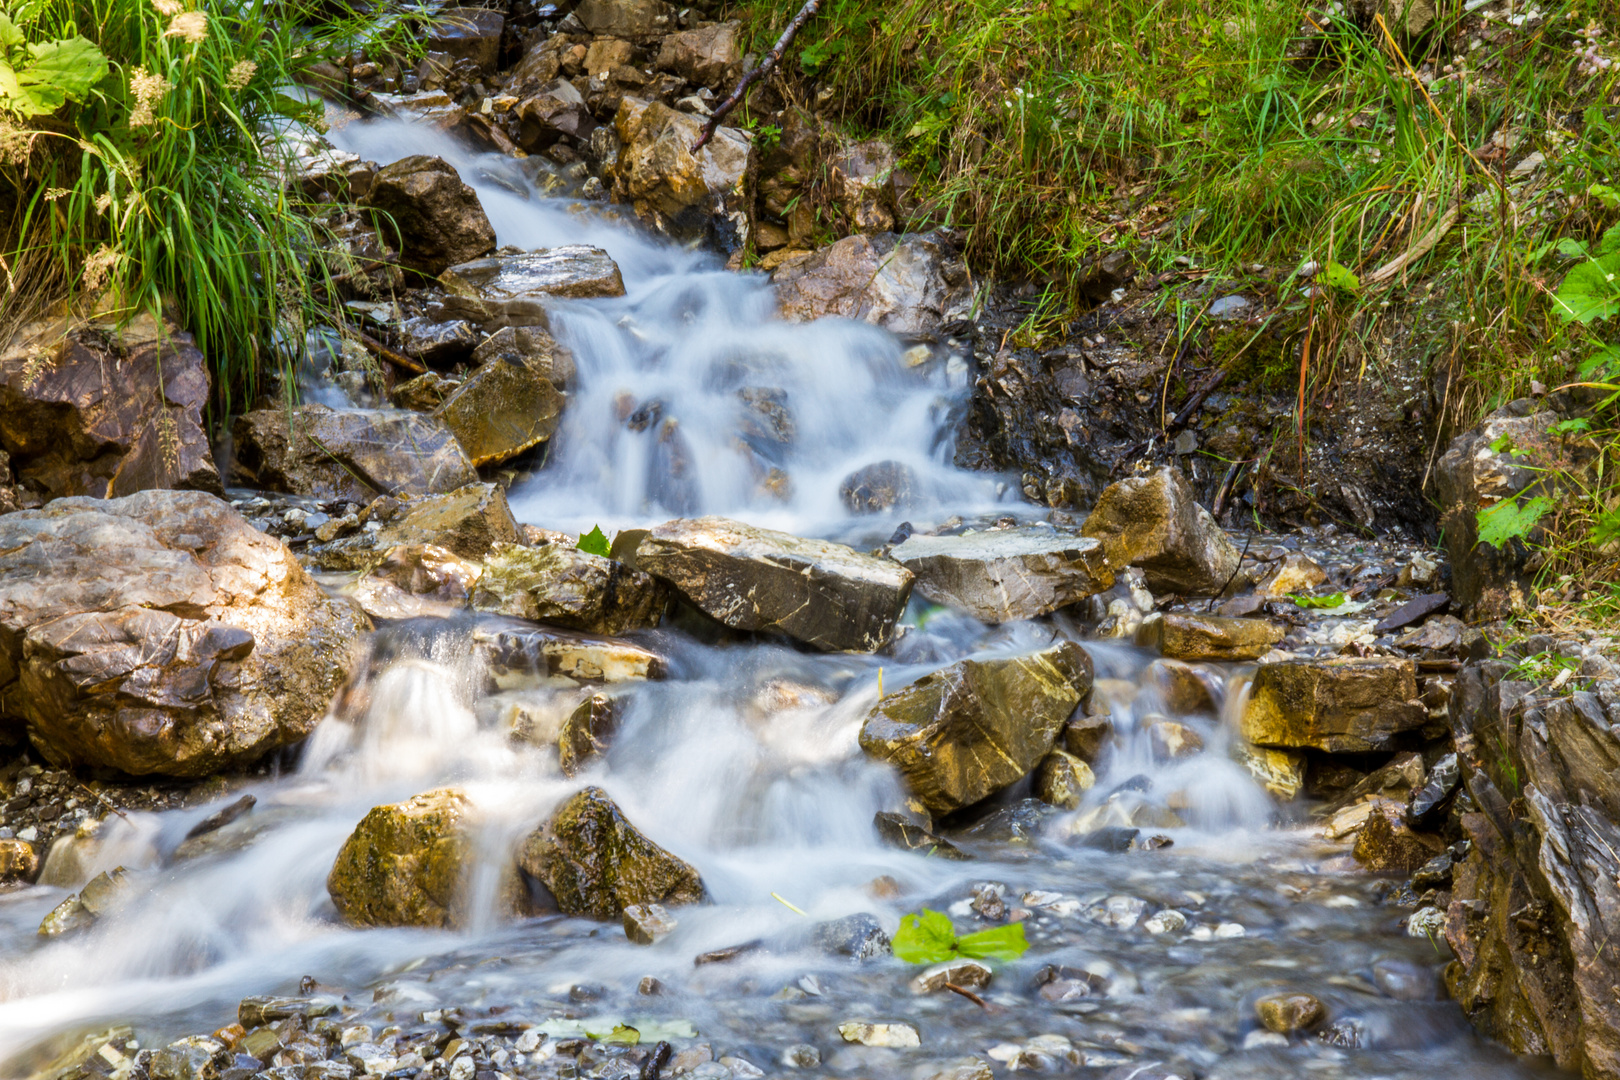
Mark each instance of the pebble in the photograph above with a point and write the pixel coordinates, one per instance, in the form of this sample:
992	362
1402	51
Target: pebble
1255	1040
801	1056
1284	1013
895	1035
1427	922
1167	921
959	972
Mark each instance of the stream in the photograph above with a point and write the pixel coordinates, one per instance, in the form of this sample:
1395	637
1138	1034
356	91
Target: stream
744	762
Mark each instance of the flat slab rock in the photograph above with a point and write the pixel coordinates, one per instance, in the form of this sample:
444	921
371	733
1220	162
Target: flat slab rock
512	290
1184	636
823	594
1002	575
1342	706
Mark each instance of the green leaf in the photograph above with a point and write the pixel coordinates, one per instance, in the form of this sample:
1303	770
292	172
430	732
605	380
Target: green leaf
71	66
623	1034
1569	427
1572	248
1591	291
595	542
1502	442
998	943
1332	600
1606	527
1511	520
10	36
928	938
1341	277
1608	196
653	1031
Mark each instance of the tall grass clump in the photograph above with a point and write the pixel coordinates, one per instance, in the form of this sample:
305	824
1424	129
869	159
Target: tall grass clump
142	170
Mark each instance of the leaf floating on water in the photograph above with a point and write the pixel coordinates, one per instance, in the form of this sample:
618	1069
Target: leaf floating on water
595	542
930	938
997	943
1332	600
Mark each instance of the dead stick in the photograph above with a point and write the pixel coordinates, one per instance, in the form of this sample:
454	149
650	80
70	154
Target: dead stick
382	351
765	67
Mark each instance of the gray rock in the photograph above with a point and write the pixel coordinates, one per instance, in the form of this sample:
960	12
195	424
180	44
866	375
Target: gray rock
436	219
909	284
512	290
885	485
859	937
1003	575
559	584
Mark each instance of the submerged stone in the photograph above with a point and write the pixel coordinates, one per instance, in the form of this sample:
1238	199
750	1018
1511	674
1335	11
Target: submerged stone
1002	575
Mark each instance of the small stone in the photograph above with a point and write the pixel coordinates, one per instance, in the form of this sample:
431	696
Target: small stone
896	1035
645	924
1285	1013
1085	736
801	1056
859	936
1061	779
1386	844
19	861
1427	922
1296	574
1208	637
959	972
1256	1040
1172	741
1168	921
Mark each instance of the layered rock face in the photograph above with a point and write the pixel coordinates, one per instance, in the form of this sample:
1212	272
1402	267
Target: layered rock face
161	633
353	454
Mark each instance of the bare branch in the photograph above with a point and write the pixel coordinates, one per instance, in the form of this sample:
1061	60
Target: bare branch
763	69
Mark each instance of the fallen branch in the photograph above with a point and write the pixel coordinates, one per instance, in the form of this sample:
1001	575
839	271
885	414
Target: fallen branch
765	67
383	352
1417	250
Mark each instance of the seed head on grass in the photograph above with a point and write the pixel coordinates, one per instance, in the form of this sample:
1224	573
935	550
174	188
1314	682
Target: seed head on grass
191	26
149	90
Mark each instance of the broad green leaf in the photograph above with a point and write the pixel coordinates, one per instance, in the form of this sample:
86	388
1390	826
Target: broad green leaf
1606	527
10	36
928	938
623	1034
1591	290
1608	196
653	1031
595	542
1341	277
1601	363
1511	520
1332	600
1571	426
71	66
1571	247
998	943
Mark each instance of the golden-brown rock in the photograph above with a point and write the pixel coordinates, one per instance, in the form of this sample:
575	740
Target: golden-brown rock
560	584
1154	522
1187	636
1343	706
406	864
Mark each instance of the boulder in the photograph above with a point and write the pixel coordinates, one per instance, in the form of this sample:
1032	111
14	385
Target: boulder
468	33
519	656
1280	772
1342	706
407	864
863	185
1154	522
89	414
470	521
1062	779
161	633
908	284
971	729
1085	737
424	393
500	410
632	20
708	55
512	290
587	732
1003	575
554	111
684	196
1386	845
352	454
436	219
823	594
596	863
442	344
532	347
559	584
1186	636
875	488
417	580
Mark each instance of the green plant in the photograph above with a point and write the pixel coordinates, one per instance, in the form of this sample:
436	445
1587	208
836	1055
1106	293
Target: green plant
1591	289
930	938
37	78
1511	519
595	542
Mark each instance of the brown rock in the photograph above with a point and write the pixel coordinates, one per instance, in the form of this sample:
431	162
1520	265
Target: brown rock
532	347
469	522
1003	575
1281	772
1186	636
556	110
908	284
1287	1013
1061	779
863	185
1296	574
708	56
512	290
633	20
407	864
1182	687
587	732
423	393
1155	523
645	924
1171	740
875	488
19	861
1085	736
559	584
684	196
1385	845
501	410
1343	706
521	657
468	33
417	580
436	219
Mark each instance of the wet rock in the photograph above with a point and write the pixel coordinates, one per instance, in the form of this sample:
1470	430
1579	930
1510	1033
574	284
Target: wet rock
436	219
423	393
512	290
587	732
1296	574
1183	688
907	284
500	410
1391	781
1281	772
1385	844
902	832
555	111
859	937
873	489
862	175
823	594
896	1036
416	580
959	972
1434	874
1003	575
438	343
1343	706
19	861
1208	637
596	863
406	863
646	924
89	414
520	656
1154	522
633	20
1428	804
1085	736
708	56
1062	779
973	728
532	347
468	33
101	894
801	1056
559	584
162	633
686	197
1288	1013
1171	741
1411	612
352	454
470	521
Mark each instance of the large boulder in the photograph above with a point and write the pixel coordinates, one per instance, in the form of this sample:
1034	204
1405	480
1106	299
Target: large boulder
161	633
502	409
1342	706
684	196
89	414
596	863
352	454
532	347
971	729
1154	522
823	594
436	219
708	55
1189	636
560	584
468	33
469	522
1002	575
554	111
908	284
512	290
407	864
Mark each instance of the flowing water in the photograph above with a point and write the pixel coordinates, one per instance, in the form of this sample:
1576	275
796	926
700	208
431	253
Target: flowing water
744	761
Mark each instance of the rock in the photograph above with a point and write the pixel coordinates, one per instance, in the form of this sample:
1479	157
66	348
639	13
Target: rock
586	733
532	347
898	830
1393	780
646	924
501	410
1085	736
1343	706
423	393
973	728
468	33
436	219
519	656
1061	779
596	863
959	972
879	487
1281	772
19	861
88	414
1434	874
353	454
1413	611
708	56
415	581
470	521
406	864
512	290
1171	740
559	584
1003	575
908	284
1427	806
555	111
101	894
859	937
161	633
895	1036
1184	636
1297	574
686	197
1183	688
823	594
442	344
1153	522
801	1056
862	175
1387	845
633	20
1287	1013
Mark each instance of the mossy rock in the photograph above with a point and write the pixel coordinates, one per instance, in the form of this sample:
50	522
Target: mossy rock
405	863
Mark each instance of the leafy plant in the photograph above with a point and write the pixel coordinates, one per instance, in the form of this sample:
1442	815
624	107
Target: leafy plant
595	542
40	77
1332	600
1511	520
930	938
1591	290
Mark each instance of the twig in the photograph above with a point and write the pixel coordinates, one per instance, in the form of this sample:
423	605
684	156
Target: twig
971	996
98	797
1238	569
1417	250
383	352
766	66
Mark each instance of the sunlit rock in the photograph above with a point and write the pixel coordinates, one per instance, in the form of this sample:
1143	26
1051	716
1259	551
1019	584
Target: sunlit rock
512	290
1189	636
560	584
707	55
909	284
1295	574
1062	779
587	732
684	196
407	864
500	410
519	656
1155	523
469	522
1002	575
417	580
1343	706
532	347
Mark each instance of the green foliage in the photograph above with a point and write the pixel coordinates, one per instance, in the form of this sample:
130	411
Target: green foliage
930	938
595	542
1341	277
1332	600
1511	520
37	78
1591	290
